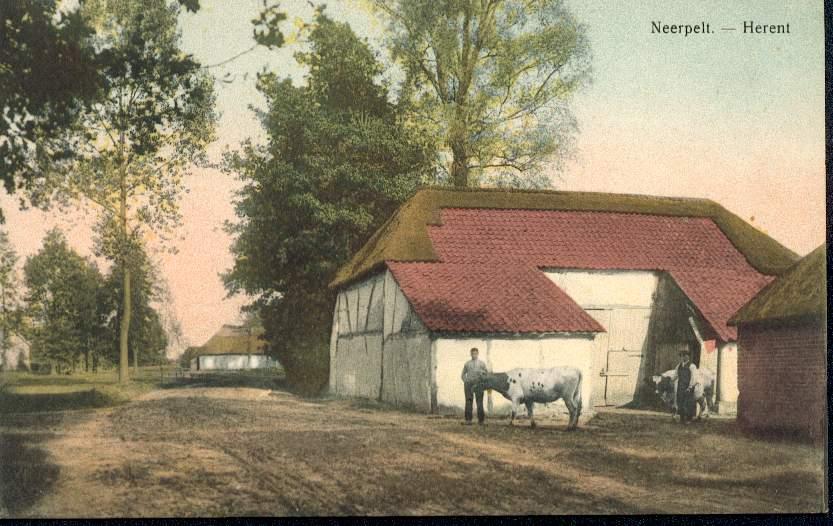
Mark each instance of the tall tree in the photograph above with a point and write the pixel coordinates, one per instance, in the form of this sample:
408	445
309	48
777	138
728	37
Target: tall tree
48	74
63	293
340	157
494	78
147	125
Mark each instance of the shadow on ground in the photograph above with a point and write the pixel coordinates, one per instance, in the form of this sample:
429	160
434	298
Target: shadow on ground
26	472
256	380
41	402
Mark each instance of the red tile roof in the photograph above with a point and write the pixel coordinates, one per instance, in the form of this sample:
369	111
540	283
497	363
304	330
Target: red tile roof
489	259
489	298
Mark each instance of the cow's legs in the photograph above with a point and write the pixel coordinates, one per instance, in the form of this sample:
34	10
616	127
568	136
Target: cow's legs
709	394
704	412
571	407
529	412
514	412
576	410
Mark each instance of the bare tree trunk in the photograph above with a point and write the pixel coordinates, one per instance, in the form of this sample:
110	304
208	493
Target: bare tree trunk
4	354
459	165
124	325
135	362
458	142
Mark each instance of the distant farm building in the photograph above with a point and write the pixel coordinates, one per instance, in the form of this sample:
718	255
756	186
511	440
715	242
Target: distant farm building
14	352
616	285
782	367
233	347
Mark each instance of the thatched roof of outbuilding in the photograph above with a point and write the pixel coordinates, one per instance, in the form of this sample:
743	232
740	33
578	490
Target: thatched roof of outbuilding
801	292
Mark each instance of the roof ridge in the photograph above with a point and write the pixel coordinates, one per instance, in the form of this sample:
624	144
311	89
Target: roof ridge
549	191
404	236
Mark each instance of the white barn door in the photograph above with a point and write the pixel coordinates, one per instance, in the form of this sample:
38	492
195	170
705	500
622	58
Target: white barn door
618	354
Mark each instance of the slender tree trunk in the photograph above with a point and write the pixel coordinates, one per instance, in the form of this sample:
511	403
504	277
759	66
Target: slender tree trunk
135	362
458	142
459	165
4	328
124	325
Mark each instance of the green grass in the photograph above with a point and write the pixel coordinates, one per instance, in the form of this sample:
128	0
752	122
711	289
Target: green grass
22	392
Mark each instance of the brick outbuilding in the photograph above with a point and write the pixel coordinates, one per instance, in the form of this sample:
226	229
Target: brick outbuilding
782	367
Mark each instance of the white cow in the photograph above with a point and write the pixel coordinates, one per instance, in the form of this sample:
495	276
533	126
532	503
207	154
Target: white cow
529	386
704	387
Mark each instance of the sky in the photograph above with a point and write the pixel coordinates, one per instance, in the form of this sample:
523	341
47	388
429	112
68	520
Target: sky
733	117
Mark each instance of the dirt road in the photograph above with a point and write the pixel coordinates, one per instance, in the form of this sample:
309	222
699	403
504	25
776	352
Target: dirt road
245	452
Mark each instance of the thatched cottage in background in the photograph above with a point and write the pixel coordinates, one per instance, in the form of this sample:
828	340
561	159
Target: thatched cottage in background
232	347
782	357
613	284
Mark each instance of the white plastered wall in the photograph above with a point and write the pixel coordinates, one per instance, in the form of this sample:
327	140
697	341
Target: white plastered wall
235	362
591	288
727	381
503	354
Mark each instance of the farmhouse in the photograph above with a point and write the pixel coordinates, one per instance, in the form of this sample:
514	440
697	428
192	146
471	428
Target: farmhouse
613	284
233	347
782	369
14	352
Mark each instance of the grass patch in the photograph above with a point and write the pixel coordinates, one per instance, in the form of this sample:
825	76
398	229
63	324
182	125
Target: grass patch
22	392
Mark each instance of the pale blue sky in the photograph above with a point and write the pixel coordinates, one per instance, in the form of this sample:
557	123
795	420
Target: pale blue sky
732	117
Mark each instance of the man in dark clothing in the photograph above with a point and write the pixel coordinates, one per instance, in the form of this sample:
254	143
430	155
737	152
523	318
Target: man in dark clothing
473	371
686	380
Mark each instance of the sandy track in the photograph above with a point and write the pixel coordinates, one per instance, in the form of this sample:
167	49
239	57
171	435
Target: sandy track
245	452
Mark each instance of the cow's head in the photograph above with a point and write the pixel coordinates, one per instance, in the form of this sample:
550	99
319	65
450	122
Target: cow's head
497	382
664	388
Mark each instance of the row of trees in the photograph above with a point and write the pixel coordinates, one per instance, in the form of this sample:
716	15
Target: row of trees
69	311
483	101
135	114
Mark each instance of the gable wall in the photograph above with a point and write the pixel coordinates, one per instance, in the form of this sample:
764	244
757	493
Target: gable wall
379	349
